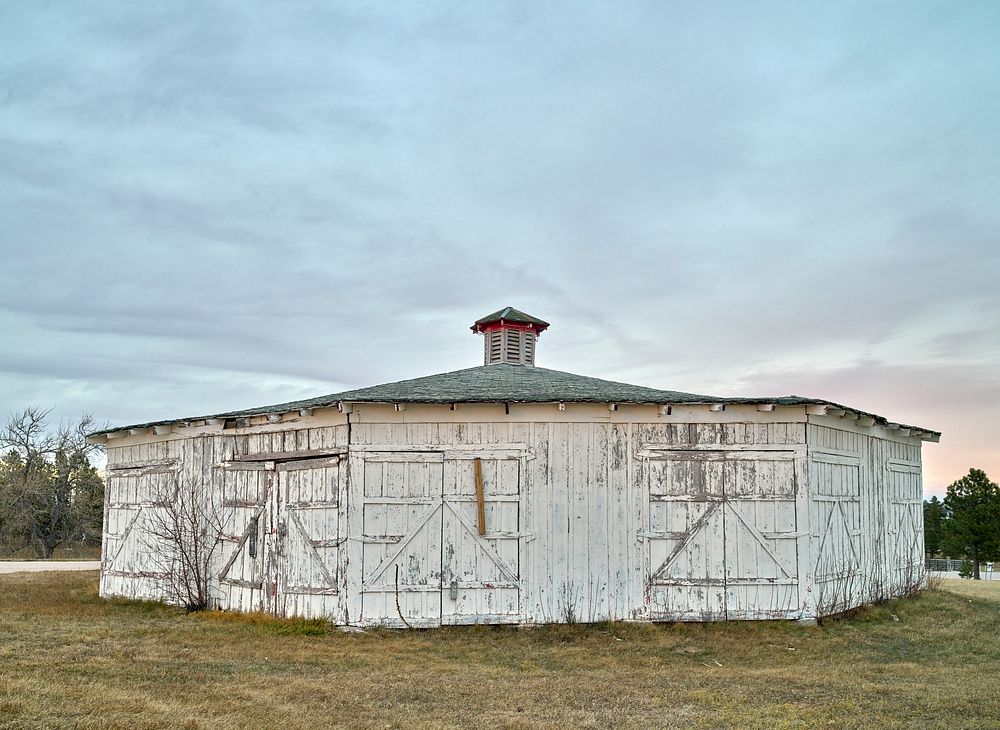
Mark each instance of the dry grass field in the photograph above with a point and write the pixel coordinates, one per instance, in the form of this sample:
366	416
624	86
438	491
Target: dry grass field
68	659
63	552
989	589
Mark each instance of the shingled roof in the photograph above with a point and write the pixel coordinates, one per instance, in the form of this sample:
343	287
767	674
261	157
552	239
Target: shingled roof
503	383
509	314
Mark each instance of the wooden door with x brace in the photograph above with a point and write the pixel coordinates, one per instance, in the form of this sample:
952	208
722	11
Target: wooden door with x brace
281	550
425	560
722	535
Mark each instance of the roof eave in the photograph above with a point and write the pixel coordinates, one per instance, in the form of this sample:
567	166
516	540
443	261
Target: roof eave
925	434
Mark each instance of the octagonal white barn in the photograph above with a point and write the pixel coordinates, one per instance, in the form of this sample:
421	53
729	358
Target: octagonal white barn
509	493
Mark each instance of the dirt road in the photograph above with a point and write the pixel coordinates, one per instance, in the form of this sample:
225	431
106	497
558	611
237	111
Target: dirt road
38	566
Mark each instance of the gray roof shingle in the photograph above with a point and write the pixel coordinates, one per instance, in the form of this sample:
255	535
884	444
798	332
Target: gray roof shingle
514	384
504	383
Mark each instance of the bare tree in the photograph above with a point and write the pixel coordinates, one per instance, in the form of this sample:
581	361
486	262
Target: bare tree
184	534
50	492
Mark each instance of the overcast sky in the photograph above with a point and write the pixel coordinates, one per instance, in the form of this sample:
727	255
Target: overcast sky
210	206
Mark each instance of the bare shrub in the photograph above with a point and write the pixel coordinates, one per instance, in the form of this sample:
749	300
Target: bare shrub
570	598
933	582
183	535
856	590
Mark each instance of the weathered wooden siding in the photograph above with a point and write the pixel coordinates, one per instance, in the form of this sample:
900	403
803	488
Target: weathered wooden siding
591	514
865	514
279	502
723	522
589	521
134	563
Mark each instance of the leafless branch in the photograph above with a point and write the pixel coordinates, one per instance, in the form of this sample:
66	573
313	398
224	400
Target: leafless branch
183	534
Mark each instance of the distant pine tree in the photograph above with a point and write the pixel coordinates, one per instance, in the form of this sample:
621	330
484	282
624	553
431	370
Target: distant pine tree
972	529
934	519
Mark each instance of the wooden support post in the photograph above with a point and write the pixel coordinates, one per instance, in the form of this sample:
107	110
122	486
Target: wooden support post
480	497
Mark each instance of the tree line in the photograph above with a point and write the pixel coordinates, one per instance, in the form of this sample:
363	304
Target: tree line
966	523
51	493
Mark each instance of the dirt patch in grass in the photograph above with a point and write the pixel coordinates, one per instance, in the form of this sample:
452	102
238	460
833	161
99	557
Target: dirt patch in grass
68	658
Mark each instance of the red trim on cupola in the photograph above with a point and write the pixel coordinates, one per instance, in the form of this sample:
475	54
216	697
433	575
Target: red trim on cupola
484	327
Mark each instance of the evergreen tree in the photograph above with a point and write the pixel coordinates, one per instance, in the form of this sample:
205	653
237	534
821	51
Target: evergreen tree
973	526
933	526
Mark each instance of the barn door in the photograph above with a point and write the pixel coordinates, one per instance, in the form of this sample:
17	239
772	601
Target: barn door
480	572
401	516
246	493
761	535
904	524
309	530
835	482
281	537
722	535
135	562
424	561
686	550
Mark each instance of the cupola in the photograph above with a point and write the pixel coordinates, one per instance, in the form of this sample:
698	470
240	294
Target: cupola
509	336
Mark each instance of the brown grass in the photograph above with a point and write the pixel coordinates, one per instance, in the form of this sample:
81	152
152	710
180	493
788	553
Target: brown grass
70	659
74	551
989	589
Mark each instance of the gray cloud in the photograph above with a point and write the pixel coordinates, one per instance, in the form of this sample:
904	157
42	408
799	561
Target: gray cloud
205	208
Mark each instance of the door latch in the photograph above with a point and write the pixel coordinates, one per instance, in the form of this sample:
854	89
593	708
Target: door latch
453	590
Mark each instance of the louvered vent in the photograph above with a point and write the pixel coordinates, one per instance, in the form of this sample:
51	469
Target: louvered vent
512	351
529	348
509	336
513	346
494	347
